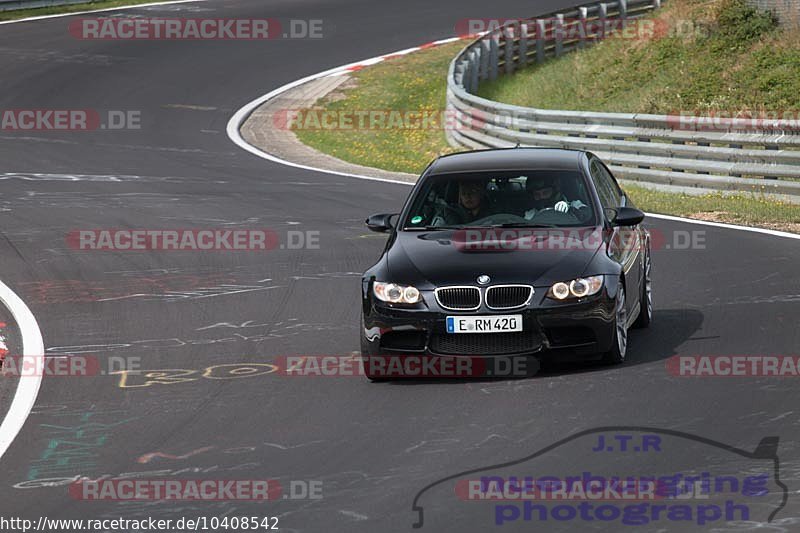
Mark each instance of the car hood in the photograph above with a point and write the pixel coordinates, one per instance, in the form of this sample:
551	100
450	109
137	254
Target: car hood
432	259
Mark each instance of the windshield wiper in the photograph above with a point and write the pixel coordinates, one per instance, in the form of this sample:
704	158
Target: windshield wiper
432	228
524	225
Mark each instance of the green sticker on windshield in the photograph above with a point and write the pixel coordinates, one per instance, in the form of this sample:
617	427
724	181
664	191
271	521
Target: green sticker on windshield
416	220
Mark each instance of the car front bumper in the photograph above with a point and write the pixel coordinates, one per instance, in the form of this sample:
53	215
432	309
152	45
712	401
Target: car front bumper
549	329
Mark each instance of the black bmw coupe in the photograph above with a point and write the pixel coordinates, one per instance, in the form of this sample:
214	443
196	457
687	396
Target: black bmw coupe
507	254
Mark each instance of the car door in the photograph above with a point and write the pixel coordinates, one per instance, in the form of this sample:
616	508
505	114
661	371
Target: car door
625	242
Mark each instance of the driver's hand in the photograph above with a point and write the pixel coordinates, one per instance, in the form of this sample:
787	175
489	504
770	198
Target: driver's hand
562	207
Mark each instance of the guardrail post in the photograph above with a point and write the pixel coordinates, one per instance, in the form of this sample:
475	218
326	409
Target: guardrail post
485	47
458	73
584	14
559	34
509	33
494	50
462	75
474	70
623	11
602	15
467	77
541	32
522	51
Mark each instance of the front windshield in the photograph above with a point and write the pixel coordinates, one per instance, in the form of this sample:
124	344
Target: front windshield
551	198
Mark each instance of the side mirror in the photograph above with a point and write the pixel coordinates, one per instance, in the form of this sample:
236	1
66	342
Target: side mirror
627	216
381	223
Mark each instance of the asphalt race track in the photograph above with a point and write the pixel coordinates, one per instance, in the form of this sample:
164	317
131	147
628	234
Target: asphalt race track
372	446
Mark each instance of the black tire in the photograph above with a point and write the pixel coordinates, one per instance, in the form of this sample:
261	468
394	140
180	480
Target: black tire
616	354
646	297
375	378
364	359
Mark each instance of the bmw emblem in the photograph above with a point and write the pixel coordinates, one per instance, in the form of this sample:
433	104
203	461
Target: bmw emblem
483	279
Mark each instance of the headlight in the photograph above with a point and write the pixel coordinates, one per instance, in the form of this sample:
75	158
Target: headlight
396	294
577	288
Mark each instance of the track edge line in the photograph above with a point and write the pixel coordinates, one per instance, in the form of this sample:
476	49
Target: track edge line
101	10
28	386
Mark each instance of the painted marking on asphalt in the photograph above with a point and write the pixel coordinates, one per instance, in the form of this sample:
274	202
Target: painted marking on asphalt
33	176
28	387
146	458
190	107
238	119
172	376
71	446
118	8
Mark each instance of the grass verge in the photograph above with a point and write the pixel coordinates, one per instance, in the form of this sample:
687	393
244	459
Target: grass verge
410	83
72	8
741	209
704	56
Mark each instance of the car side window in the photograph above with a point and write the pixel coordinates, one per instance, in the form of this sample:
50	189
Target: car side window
616	191
603	186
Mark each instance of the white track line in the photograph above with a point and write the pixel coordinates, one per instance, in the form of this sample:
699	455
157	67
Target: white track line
236	121
28	386
774	233
58	15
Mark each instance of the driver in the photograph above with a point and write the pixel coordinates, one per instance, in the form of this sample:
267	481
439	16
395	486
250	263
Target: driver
545	193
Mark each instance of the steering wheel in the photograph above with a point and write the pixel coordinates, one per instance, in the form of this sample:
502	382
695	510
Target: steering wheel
550	215
499	218
450	214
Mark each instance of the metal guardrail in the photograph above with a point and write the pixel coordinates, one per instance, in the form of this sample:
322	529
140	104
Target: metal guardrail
691	151
9	5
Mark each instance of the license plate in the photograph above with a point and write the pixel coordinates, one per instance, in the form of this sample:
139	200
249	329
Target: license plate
484	324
